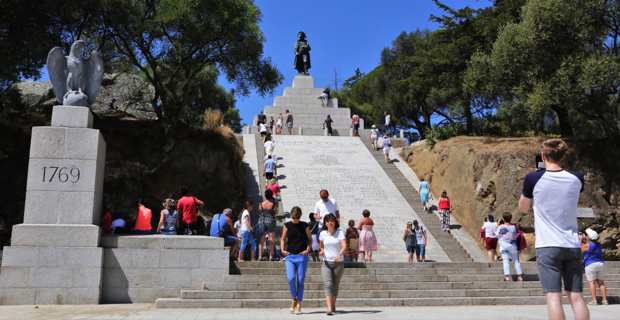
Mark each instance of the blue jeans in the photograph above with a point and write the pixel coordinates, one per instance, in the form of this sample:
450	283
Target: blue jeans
247	238
296	266
508	254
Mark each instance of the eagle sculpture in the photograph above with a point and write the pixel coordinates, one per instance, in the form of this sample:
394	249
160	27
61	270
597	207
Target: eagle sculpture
76	79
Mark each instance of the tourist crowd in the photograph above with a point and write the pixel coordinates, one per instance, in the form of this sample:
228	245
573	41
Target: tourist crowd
562	252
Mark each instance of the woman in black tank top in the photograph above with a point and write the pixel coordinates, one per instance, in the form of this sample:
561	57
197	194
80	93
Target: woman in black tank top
295	244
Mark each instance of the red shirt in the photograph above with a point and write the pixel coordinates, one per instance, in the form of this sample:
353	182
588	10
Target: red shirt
143	220
275	188
188	205
107	222
444	203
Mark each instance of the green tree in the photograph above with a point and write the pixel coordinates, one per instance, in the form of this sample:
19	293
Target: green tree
29	29
555	59
182	45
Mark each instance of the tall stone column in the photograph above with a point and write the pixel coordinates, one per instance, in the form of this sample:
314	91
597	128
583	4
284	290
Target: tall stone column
54	256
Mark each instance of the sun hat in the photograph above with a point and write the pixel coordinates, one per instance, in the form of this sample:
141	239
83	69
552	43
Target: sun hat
593	235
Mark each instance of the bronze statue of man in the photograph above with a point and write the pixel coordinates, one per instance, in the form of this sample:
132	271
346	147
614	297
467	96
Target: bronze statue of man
302	54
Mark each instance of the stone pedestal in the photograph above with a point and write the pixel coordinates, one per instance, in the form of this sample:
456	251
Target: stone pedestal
54	256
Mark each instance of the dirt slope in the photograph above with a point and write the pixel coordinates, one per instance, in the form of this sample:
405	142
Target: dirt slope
485	175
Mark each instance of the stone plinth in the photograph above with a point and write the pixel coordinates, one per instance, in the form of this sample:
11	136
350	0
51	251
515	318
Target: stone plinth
72	117
144	268
303	82
54	256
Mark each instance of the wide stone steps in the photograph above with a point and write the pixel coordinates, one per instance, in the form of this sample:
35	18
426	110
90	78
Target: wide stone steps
352	302
405	285
371	294
399	278
264	285
399	271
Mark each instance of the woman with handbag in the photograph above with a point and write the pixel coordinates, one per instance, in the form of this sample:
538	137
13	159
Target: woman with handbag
267	225
333	245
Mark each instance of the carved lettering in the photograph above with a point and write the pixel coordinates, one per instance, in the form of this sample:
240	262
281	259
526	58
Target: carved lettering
60	174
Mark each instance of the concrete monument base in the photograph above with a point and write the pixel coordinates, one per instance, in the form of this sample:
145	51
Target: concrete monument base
54	256
144	268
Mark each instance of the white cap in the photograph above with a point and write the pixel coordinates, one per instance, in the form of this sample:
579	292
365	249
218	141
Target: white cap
593	235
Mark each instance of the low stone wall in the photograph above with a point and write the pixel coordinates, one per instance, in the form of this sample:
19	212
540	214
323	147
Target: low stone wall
144	268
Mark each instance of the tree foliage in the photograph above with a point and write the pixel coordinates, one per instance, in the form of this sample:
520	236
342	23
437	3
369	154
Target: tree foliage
180	47
516	67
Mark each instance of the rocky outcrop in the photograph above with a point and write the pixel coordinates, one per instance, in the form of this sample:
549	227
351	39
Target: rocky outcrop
485	175
123	96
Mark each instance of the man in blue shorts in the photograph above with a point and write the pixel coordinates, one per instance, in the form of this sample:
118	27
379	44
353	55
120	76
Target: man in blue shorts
554	193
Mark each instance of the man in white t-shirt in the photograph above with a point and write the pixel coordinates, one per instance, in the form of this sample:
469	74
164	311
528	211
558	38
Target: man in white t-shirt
554	195
325	206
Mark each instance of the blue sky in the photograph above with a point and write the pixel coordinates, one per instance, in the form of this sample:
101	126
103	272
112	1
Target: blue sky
343	34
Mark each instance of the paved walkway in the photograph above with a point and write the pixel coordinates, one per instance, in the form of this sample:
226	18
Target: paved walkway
148	312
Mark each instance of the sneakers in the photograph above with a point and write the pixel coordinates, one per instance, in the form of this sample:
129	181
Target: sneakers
592	303
605	302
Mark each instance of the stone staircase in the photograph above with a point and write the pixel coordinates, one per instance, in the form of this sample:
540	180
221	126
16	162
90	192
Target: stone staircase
451	246
264	285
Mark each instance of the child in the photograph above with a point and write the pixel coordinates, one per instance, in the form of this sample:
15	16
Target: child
352	237
314	230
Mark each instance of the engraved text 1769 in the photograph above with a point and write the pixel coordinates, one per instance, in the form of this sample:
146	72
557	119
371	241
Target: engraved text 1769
61	174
